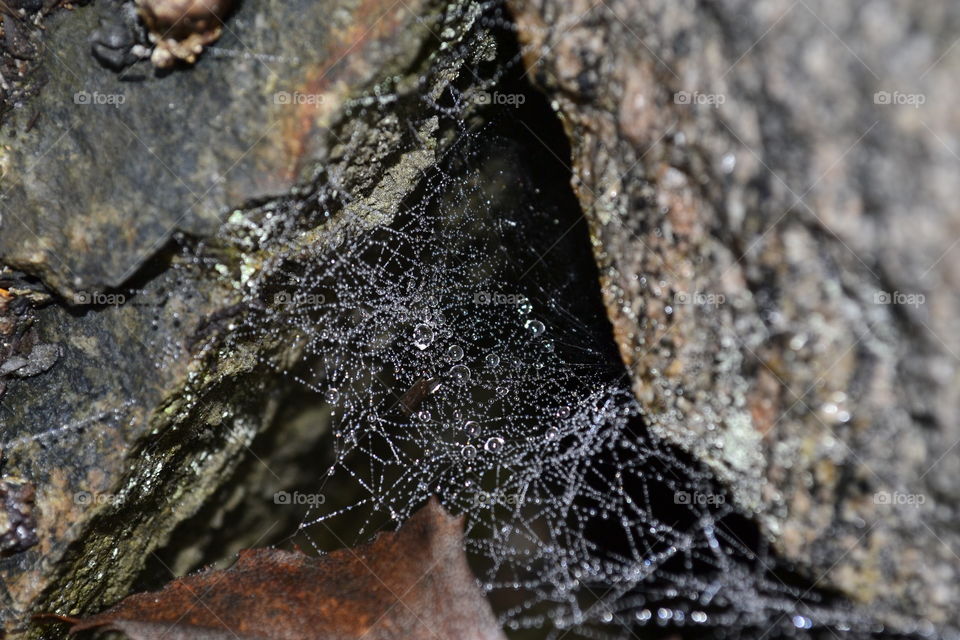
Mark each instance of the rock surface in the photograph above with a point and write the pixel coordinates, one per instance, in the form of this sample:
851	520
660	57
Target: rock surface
183	147
772	193
136	424
771	207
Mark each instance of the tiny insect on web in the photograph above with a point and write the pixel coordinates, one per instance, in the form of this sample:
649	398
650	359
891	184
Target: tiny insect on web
414	396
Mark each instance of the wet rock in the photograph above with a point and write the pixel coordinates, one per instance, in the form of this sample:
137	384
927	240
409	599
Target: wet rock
179	149
17	522
115	42
132	417
41	358
771	195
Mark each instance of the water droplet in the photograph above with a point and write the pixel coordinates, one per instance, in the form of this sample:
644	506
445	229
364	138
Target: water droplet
563	412
535	327
422	336
471	427
332	395
547	346
525	307
460	372
494	444
469	451
423	416
728	163
455	352
492	360
552	433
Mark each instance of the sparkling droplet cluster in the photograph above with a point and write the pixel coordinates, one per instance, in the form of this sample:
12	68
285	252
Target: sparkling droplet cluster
457	361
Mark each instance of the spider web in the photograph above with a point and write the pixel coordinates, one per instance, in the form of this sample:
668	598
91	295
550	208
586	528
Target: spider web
463	352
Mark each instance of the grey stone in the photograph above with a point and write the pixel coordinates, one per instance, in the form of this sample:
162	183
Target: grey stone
132	419
119	162
771	189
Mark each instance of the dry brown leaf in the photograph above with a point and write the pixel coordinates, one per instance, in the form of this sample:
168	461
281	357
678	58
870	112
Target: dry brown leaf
414	583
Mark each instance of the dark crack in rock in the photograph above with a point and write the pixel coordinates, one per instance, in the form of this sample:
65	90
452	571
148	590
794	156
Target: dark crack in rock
771	192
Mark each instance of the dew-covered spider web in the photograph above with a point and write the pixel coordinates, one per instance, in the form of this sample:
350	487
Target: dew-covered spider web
463	352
